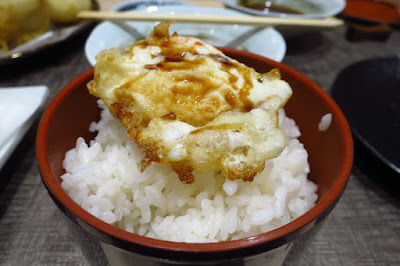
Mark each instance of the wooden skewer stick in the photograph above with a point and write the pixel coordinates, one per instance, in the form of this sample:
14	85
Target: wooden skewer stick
325	23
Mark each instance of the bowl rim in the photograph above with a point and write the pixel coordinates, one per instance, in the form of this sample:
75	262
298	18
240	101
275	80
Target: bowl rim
322	205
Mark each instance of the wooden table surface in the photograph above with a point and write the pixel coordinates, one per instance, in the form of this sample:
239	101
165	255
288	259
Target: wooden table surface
363	229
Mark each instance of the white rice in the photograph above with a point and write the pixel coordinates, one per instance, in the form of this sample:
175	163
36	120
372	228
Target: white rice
104	179
325	122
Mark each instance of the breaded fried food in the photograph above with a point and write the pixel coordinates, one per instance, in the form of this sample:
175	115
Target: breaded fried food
188	105
65	11
22	21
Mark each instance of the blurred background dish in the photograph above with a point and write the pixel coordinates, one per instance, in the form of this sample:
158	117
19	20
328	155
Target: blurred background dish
263	41
64	11
288	8
368	92
374	11
30	26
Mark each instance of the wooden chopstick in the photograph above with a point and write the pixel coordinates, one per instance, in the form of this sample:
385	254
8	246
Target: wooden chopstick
324	23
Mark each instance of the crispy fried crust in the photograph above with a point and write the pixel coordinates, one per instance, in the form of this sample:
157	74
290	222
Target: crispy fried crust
188	105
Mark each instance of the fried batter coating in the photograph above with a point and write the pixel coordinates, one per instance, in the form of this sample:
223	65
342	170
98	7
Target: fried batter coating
188	105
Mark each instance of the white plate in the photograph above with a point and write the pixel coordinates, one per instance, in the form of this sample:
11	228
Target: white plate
263	41
323	8
18	105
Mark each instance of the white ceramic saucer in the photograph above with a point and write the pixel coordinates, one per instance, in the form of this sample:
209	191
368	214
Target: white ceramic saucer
263	41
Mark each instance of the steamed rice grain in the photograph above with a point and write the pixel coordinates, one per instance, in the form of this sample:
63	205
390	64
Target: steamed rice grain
104	178
325	122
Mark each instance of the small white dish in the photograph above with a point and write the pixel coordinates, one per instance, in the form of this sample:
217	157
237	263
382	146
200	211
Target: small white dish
263	41
308	8
18	105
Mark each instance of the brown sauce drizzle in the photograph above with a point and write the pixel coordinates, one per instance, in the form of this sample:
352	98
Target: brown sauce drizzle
151	67
270	8
245	91
222	59
196	86
177	57
171	116
222	127
231	98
